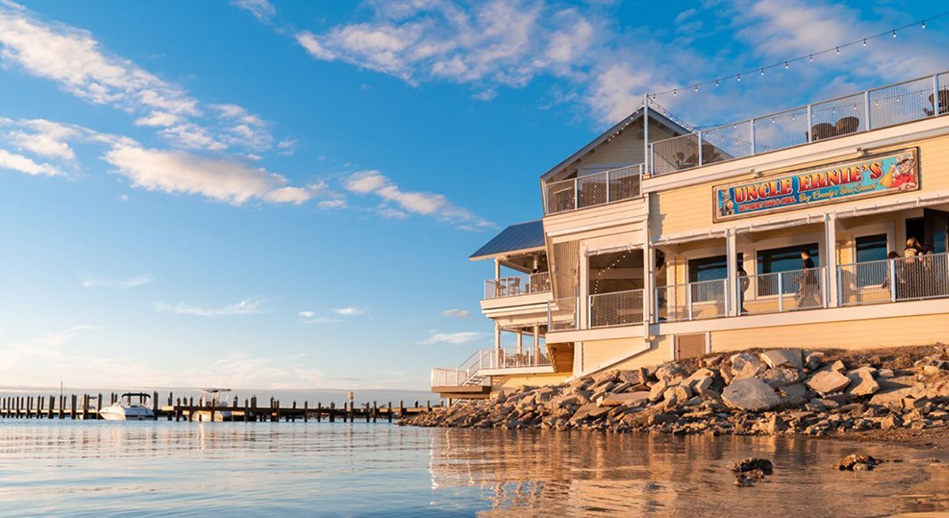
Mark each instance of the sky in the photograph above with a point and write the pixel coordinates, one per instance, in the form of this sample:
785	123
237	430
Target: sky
277	194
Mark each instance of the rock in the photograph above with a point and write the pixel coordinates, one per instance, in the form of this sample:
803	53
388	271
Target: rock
783	358
752	464
746	366
751	394
657	390
813	360
884	373
892	399
748	479
587	411
852	461
827	381
775	424
780	376
627	399
891	421
836	366
633	377
861	383
668	371
676	395
794	395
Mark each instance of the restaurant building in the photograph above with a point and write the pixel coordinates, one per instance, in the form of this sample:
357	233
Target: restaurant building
661	242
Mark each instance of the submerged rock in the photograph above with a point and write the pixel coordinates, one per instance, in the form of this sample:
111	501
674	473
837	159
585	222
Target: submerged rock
752	463
854	462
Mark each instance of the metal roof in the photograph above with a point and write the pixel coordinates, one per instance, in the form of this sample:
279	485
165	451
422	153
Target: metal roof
522	236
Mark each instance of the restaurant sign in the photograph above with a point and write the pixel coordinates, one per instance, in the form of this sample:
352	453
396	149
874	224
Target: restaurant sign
843	181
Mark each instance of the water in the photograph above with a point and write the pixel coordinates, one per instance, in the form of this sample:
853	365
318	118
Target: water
97	468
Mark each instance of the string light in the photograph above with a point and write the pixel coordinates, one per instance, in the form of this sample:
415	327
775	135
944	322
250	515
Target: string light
809	57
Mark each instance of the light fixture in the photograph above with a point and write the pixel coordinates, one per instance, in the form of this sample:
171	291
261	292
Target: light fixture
924	24
696	88
838	51
739	78
716	82
864	42
894	34
786	65
811	58
762	71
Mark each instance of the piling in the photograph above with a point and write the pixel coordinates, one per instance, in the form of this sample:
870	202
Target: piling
332	411
390	411
306	414
319	411
62	405
293	415
98	405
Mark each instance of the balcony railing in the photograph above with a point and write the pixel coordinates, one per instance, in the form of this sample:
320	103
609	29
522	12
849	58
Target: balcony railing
621	308
595	189
869	110
783	291
470	373
563	314
692	301
517	285
894	280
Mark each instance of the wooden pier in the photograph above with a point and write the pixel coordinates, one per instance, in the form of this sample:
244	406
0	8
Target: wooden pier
86	406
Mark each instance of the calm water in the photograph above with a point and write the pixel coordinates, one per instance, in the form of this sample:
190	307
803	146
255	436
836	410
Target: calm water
53	468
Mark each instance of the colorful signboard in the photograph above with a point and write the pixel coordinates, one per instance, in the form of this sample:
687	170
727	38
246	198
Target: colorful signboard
889	173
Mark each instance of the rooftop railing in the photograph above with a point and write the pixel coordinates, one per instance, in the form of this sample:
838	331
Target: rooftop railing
908	101
594	189
517	285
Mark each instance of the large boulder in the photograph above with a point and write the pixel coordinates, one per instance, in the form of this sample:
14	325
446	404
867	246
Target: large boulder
794	395
633	377
783	358
861	383
627	399
827	382
746	365
751	394
780	376
891	398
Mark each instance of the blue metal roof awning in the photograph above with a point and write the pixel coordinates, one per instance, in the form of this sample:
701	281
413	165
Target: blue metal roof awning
522	236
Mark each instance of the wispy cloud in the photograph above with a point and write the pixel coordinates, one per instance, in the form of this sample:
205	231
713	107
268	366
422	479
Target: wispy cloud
263	10
139	280
456	313
311	317
452	338
374	183
21	164
349	311
251	306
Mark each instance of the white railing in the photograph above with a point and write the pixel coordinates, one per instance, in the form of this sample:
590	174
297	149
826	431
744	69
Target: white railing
779	292
621	308
692	301
517	285
467	372
595	189
908	101
528	357
563	314
894	280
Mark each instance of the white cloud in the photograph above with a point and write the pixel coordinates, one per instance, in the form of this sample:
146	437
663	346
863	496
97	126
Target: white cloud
251	306
219	179
134	282
452	338
261	9
349	311
22	164
456	313
429	204
332	204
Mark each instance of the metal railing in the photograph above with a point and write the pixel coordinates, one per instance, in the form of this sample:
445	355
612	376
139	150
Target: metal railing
894	280
779	292
528	357
594	189
517	285
467	372
877	108
620	308
563	314
692	301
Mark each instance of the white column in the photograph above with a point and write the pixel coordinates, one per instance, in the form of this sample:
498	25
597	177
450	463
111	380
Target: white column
731	287
649	279
830	250
520	342
497	268
584	289
536	343
497	336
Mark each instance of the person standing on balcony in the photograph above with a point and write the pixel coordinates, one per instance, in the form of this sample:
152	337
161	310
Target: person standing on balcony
912	270
807	294
743	284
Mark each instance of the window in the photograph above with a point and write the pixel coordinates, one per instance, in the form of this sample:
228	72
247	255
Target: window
871	250
709	269
773	262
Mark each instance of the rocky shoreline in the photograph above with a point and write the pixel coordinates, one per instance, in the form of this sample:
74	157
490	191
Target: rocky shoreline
877	393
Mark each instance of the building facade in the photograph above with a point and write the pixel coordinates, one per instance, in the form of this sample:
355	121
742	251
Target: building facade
819	226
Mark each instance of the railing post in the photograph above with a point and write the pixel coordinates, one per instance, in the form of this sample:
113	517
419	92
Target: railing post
608	173
589	311
700	147
752	136
576	193
823	288
780	292
548	316
810	127
840	285
892	273
688	296
936	95
866	111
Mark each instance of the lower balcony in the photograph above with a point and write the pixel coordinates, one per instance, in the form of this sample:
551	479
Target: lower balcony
473	377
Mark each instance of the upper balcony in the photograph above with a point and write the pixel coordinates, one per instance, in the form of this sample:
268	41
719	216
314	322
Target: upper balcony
593	190
869	110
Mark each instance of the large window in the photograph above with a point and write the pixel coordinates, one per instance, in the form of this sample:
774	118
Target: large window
709	269
778	260
871	250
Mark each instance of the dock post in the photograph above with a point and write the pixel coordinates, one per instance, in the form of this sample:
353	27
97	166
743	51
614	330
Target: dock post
178	410
332	411
306	408
62	406
190	409
85	406
401	409
98	406
416	404
319	411
375	411
428	405
246	410
51	410
17	405
72	407
39	406
29	406
390	411
293	415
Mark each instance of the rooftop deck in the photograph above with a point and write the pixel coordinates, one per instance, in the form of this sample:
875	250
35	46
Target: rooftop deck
908	101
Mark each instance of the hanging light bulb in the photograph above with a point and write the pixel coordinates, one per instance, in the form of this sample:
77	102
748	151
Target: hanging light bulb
674	92
838	51
716	82
739	78
696	88
786	65
812	58
864	42
924	24
762	71
894	34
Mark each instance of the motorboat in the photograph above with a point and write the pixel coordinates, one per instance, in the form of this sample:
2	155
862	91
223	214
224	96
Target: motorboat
213	406
125	410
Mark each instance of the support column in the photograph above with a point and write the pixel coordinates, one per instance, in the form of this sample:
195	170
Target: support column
830	250
497	268
732	307
536	344
497	336
520	342
649	280
583	291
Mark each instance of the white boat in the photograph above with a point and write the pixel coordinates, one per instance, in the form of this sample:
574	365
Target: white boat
125	410
214	398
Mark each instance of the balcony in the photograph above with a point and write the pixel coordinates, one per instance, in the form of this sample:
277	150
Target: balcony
593	190
517	285
908	101
472	376
894	280
622	308
691	301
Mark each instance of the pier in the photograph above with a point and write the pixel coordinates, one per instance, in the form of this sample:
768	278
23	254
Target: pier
86	406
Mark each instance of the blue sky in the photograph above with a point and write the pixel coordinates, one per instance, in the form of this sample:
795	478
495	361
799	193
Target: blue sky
283	194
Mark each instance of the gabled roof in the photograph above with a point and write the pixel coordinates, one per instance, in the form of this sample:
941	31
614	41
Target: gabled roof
610	133
521	236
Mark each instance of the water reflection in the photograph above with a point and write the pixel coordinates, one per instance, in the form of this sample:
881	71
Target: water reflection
265	469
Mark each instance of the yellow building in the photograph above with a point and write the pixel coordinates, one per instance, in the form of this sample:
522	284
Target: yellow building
660	242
